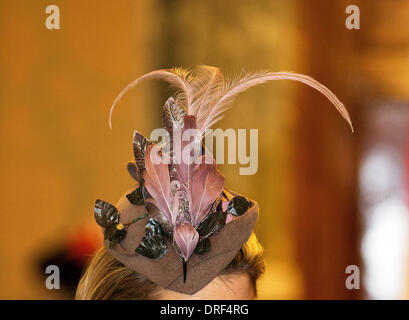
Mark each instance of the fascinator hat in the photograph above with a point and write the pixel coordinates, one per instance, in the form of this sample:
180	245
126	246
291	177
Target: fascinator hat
180	227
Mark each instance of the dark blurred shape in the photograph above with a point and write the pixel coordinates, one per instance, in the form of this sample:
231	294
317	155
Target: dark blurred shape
71	257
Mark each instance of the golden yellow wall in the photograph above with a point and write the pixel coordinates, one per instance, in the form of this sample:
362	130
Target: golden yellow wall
57	152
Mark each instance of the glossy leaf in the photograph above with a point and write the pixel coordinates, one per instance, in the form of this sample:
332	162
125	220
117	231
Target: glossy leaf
238	205
140	143
113	235
203	246
110	231
133	171
154	244
105	213
117	238
212	224
136	197
172	115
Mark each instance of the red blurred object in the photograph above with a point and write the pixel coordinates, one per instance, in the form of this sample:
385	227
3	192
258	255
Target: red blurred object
83	242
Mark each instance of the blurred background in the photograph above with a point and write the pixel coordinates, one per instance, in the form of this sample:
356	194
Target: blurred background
329	198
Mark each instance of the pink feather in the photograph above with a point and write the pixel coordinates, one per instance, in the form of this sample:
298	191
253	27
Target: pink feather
157	181
214	111
204	93
207	185
186	238
176	77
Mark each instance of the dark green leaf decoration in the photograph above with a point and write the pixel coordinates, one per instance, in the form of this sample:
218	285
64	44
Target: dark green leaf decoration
140	143
203	246
136	197
154	244
107	217
105	213
150	207
145	191
212	224
110	232
217	205
238	205
114	235
133	171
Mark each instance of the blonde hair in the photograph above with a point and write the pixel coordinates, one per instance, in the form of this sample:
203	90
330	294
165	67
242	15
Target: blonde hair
108	279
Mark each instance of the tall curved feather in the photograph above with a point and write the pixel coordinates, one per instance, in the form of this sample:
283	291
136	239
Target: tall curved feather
206	84
175	77
250	80
204	93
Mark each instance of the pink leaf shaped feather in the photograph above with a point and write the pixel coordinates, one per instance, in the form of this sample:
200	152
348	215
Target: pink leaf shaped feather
157	181
186	238
207	185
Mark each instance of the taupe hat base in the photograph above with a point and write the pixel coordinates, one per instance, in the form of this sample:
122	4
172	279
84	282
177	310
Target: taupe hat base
167	271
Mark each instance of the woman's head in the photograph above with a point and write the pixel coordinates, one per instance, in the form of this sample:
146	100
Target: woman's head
107	278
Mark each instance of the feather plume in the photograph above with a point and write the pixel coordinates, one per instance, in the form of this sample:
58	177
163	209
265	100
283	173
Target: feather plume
204	93
249	80
206	83
176	77
157	181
